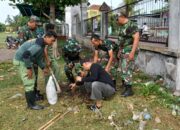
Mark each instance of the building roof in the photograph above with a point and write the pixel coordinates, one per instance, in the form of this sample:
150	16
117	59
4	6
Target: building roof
104	7
94	7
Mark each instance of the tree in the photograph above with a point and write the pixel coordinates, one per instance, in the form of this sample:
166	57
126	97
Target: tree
16	21
2	27
129	8
52	5
9	20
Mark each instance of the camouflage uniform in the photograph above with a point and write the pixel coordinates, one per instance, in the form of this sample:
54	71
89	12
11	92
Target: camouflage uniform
54	65
71	50
25	34
106	46
125	42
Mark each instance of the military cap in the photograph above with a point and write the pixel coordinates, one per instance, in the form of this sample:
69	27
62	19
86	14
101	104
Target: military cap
72	45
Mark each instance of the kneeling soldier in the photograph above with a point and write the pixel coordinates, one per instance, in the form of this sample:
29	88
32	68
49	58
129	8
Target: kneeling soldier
71	55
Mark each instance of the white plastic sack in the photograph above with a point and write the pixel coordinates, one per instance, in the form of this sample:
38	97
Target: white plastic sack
51	93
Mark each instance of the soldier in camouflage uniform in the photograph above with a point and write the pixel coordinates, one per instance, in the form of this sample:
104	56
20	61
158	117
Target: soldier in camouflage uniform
32	51
50	59
28	32
107	60
128	43
71	54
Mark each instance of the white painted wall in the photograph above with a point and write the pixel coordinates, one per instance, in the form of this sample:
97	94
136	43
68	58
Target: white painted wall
73	15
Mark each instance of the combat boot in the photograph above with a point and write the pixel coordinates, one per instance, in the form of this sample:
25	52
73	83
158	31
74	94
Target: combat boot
30	99
114	81
38	95
123	86
128	91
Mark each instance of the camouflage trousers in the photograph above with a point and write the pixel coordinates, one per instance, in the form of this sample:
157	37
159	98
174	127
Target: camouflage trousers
68	69
127	68
55	68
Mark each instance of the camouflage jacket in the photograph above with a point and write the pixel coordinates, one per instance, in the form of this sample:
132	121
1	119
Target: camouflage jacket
126	33
30	52
106	46
71	50
25	34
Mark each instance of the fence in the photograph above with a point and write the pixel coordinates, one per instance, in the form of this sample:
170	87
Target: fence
93	25
150	14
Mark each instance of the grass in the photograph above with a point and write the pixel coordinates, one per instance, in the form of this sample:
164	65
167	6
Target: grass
9	75
15	116
3	36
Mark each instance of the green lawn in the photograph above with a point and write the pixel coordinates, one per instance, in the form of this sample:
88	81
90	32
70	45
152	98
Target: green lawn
3	36
15	116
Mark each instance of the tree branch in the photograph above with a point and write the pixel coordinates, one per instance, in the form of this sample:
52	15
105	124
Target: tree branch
46	15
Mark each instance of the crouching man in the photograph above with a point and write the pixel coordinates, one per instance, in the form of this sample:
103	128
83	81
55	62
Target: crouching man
98	82
29	53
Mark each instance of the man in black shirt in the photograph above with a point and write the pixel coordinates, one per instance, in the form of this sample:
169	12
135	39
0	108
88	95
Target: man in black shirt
98	82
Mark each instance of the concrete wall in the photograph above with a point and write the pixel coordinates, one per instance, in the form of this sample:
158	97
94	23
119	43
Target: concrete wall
73	17
157	64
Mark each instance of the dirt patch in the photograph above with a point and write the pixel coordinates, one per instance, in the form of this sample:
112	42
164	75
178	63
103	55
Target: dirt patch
6	54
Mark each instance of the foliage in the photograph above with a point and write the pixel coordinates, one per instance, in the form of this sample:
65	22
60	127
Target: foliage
44	5
164	97
2	27
16	21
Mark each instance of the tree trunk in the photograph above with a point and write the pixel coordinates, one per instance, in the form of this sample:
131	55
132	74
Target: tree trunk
52	12
52	20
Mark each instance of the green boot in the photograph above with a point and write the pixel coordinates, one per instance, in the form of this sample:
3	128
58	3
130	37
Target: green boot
30	99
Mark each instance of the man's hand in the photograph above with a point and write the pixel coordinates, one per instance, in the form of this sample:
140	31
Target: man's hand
46	71
29	73
72	86
131	56
78	78
107	69
48	63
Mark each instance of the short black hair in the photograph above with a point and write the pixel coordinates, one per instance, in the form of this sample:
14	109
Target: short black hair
49	27
95	36
50	34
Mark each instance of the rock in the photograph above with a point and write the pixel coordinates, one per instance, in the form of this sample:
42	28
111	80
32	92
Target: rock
16	96
24	119
157	120
137	116
147	116
128	122
142	125
174	113
76	110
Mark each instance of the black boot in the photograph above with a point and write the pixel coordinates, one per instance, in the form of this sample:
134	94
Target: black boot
114	81
123	84
38	96
128	91
30	98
